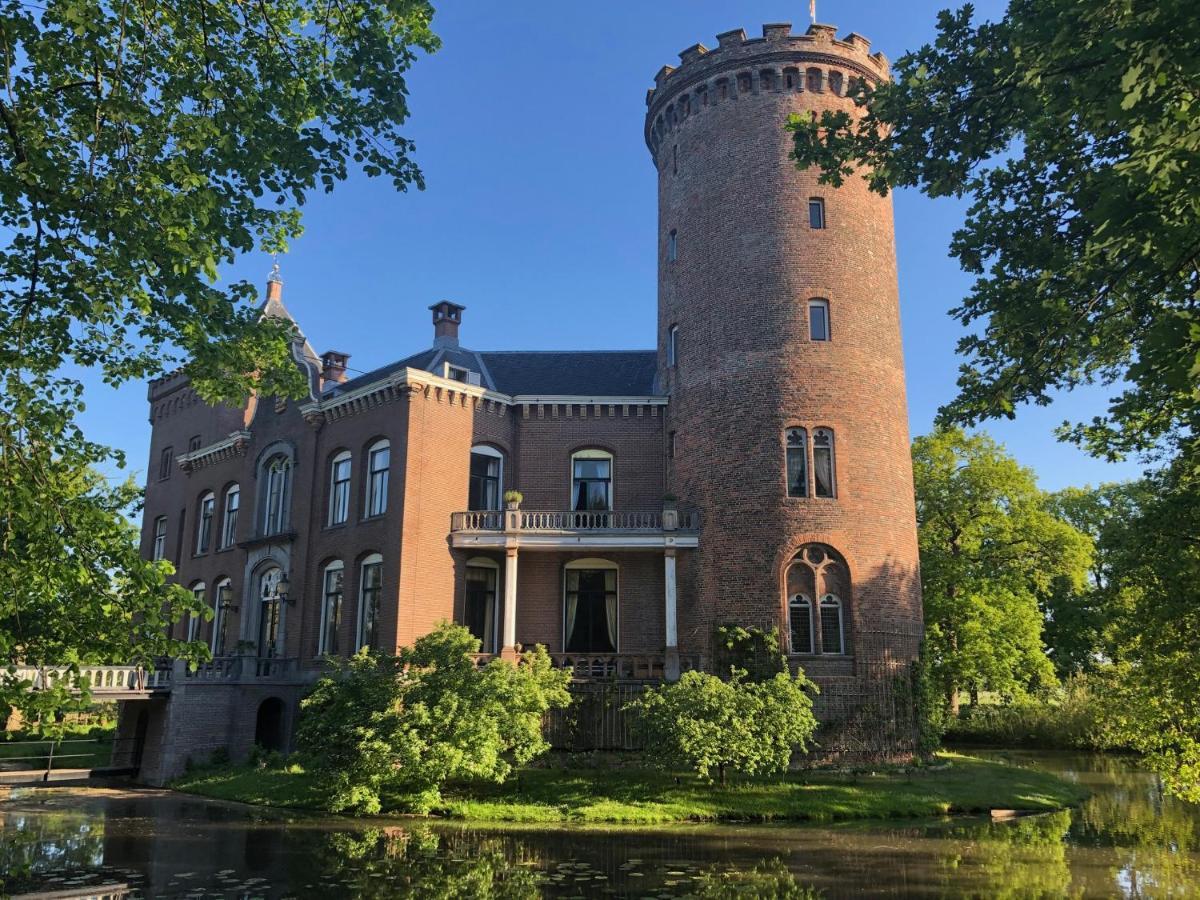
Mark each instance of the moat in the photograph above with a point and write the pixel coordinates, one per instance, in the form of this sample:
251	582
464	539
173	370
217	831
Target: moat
1127	840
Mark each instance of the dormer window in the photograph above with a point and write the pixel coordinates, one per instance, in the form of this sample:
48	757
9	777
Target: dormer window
458	373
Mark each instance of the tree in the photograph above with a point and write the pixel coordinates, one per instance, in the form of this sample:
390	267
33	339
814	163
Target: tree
1074	127
407	724
142	146
990	547
705	723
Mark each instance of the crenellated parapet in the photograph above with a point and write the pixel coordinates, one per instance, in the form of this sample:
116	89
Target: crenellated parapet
778	62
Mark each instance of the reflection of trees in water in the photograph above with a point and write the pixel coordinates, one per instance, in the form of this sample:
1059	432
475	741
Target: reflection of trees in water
1024	858
35	847
771	880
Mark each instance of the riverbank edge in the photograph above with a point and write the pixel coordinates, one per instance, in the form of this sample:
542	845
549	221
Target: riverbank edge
960	785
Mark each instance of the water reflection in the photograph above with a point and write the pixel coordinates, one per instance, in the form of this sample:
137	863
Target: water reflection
1128	839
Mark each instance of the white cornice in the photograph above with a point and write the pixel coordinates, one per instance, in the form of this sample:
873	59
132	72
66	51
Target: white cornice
234	445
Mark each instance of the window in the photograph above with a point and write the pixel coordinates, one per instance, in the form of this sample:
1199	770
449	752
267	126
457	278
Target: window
671	445
204	524
331	608
195	621
823	467
164	463
816	80
160	538
378	462
590	607
835	82
222	598
800	624
193	443
672	246
370	591
479	613
675	159
831	625
797	462
591	480
816	213
277	494
673	346
269	612
817	570
233	499
339	489
455	373
487	478
818	320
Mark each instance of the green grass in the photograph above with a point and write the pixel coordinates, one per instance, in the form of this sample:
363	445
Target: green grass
643	797
84	747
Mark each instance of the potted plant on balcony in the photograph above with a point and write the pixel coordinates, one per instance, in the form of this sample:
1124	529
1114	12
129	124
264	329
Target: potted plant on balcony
512	499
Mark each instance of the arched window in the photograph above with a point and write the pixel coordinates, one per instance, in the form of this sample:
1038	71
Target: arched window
370	592
673	346
479	609
160	538
766	79
590	622
831	625
791	78
817	570
204	522
277	493
800	623
164	463
818	319
824	471
816	80
797	462
486	487
222	599
743	82
379	461
233	500
591	480
339	488
195	620
269	611
835	82
331	608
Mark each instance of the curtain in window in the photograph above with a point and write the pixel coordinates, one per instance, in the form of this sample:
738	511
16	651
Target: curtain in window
572	607
797	463
480	610
823	462
610	605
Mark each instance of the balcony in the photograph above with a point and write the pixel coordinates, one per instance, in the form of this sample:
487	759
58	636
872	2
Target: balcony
559	529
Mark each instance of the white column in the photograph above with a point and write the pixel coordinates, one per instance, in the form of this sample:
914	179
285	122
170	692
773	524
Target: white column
669	572
510	603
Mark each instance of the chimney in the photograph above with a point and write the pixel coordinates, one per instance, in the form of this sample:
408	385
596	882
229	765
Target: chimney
447	317
333	366
274	285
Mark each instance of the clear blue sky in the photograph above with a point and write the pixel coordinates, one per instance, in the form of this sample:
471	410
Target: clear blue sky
540	210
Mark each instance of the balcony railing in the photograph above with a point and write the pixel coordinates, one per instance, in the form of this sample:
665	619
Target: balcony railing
621	666
576	521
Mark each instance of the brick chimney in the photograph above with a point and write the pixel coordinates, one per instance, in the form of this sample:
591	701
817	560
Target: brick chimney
447	317
274	285
333	366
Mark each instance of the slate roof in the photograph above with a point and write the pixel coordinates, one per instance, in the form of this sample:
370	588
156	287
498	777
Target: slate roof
588	373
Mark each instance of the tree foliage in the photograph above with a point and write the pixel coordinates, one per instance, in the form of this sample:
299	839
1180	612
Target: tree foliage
990	548
1074	128
406	724
142	146
704	723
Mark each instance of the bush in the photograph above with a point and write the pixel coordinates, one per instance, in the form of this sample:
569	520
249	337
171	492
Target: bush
755	651
407	724
1065	719
703	723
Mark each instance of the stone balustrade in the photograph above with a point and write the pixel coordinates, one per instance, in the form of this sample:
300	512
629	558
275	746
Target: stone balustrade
98	679
576	521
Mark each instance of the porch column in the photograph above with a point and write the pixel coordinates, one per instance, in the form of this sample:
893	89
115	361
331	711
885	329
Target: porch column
671	663
508	648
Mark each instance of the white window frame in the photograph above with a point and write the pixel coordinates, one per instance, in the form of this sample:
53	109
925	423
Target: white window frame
159	549
275	517
489	450
483	562
374	475
835	602
822	304
205	518
359	636
590	564
322	635
228	525
798	600
820	203
195	622
594	453
219	592
339	500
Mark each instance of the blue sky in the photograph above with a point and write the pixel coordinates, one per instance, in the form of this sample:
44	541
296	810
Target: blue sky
540	209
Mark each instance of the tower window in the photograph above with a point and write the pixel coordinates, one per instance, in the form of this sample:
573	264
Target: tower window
675	159
797	462
823	465
816	212
816	80
818	320
193	443
672	246
166	458
673	346
160	538
204	525
835	85
671	445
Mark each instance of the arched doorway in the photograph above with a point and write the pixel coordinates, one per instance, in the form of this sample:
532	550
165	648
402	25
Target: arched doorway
268	727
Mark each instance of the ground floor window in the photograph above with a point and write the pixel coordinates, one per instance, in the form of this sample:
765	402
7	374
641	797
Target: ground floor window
480	608
800	614
817	570
331	608
369	594
590	608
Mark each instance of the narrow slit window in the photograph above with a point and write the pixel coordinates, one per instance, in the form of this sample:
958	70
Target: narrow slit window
797	462
672	246
823	463
673	346
816	212
818	320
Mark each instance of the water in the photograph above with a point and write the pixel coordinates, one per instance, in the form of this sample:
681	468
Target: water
1128	840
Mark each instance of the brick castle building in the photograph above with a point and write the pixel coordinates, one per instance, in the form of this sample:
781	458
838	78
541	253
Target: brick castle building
753	468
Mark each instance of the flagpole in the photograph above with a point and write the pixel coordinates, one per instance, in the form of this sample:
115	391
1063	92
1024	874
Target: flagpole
812	10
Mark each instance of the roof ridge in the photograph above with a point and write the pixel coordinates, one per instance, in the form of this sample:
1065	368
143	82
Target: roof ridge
633	350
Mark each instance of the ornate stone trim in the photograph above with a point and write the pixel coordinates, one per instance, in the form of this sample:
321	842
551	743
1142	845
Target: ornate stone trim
234	445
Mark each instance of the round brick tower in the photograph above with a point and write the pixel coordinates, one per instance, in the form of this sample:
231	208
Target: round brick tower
779	344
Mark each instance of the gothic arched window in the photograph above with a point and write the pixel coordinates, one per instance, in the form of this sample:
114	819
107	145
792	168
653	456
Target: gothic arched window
817	570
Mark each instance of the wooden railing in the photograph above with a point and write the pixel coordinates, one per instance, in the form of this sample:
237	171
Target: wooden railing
99	679
575	521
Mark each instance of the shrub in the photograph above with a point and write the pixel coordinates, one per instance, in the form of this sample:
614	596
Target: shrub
702	722
1065	719
755	651
409	723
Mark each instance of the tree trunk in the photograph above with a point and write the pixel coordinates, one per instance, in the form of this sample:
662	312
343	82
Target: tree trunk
721	773
974	696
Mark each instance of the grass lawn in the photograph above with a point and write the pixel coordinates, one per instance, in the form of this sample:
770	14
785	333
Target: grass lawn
82	748
645	797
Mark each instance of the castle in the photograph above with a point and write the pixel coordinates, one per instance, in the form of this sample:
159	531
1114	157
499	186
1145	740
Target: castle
752	469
